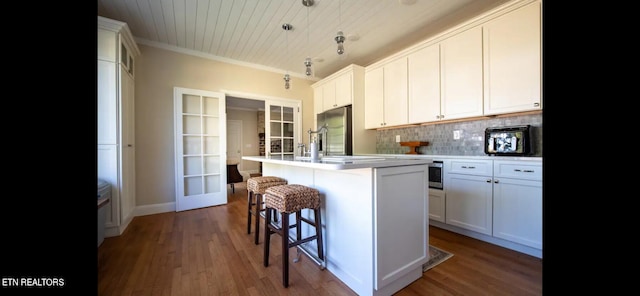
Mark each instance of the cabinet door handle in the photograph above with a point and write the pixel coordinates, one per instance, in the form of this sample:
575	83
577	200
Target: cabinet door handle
466	167
524	171
496	181
488	180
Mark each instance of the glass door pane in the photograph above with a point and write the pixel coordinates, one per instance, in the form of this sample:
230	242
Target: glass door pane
283	131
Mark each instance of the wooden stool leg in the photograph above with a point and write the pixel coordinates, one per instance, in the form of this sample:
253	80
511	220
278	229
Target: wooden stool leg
318	223
249	202
299	225
267	238
258	198
285	249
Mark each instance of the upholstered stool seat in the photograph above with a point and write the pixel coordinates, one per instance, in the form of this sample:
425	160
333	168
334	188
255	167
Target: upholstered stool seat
256	188
288	199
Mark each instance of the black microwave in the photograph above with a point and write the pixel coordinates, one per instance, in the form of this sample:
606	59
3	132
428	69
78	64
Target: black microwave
508	141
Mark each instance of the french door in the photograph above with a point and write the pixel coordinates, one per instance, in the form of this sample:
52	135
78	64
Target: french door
283	132
200	148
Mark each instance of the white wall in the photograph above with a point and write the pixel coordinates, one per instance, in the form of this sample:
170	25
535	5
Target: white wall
249	136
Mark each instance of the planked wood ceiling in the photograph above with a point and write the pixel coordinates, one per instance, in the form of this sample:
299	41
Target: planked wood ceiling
250	32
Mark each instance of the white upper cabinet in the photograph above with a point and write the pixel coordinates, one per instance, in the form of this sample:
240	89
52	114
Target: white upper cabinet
344	90
487	66
461	75
512	54
374	98
386	95
424	85
329	95
107	45
395	92
336	90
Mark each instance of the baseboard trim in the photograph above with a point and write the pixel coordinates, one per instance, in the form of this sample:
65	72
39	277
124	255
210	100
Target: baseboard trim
489	239
155	209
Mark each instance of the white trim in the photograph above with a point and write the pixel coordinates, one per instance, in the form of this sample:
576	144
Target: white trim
155	209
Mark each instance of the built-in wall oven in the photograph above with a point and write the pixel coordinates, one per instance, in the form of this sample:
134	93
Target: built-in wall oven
436	175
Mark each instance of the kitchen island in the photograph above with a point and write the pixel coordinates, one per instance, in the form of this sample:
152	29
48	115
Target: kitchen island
374	215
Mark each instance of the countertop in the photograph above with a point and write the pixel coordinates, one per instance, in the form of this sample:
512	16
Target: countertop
378	160
442	157
342	162
102	202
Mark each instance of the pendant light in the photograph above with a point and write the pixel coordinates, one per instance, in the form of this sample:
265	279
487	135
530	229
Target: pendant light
340	36
287	78
307	61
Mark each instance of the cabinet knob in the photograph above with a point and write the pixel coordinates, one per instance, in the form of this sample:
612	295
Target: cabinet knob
496	181
488	180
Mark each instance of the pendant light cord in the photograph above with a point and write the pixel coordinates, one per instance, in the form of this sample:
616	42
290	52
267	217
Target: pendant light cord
339	15
307	28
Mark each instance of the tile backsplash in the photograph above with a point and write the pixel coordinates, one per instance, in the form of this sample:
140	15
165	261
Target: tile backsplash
442	142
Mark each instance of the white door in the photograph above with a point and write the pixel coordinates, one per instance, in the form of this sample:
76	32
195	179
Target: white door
200	148
282	128
234	142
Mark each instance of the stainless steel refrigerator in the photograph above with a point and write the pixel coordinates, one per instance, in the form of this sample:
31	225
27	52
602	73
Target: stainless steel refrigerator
338	136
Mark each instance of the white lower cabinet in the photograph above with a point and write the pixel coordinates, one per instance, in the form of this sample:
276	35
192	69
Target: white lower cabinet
396	214
499	199
517	203
469	195
437	205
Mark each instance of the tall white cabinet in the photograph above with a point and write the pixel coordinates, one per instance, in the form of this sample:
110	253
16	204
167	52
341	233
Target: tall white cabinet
116	133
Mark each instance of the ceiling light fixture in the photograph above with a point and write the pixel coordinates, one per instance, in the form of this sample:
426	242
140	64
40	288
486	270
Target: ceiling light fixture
340	36
307	61
287	78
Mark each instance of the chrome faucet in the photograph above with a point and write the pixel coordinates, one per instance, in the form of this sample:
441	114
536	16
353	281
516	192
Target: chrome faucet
302	149
323	131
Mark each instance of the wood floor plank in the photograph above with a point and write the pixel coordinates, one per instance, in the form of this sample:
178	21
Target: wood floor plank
208	252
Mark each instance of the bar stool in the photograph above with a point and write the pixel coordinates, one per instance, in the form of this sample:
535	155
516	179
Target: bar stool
288	199
256	187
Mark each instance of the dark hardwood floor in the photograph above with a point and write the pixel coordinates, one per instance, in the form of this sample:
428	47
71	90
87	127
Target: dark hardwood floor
208	252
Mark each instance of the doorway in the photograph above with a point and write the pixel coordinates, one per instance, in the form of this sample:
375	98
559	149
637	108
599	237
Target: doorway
234	142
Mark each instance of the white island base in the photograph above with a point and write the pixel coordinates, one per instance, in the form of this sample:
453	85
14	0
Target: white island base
375	221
